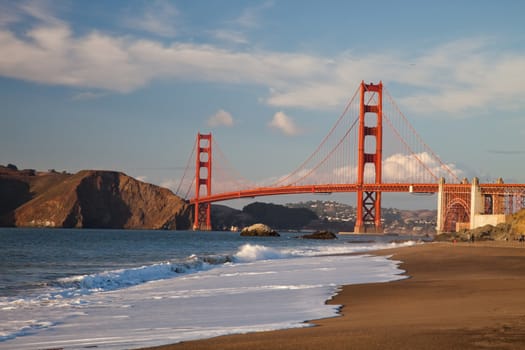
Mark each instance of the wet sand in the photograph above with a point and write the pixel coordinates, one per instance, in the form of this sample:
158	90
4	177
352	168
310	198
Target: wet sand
458	296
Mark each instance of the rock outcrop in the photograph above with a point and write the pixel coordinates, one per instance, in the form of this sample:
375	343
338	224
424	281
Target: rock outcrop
88	199
320	235
512	230
259	230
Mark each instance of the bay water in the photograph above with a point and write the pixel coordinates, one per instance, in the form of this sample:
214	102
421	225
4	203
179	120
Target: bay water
125	289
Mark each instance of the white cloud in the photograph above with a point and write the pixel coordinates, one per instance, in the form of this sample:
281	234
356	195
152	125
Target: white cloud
454	79
230	36
41	10
312	96
249	17
88	95
466	76
142	178
397	168
158	17
6	18
221	118
38	11
284	123
170	183
404	168
420	167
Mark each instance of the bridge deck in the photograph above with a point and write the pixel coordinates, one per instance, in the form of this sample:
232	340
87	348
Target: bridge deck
338	188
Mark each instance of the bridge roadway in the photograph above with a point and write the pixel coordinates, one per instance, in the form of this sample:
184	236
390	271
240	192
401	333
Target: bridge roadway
337	188
324	188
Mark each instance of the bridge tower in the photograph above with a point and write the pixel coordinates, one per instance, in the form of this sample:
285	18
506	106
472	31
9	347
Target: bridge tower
370	147
202	215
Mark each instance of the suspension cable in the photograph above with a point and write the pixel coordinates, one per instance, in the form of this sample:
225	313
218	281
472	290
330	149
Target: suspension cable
443	165
408	147
300	167
188	163
233	173
329	153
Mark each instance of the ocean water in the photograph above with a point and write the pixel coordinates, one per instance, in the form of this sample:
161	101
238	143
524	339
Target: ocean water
125	289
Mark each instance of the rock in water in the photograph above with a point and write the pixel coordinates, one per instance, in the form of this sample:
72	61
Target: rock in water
259	230
320	235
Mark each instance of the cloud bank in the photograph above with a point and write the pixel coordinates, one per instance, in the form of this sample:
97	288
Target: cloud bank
453	78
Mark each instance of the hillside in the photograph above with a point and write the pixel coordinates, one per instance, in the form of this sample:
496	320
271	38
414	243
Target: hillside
320	215
273	215
341	217
87	199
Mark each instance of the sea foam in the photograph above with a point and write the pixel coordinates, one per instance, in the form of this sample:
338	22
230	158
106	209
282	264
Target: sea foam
122	278
254	252
249	290
270	292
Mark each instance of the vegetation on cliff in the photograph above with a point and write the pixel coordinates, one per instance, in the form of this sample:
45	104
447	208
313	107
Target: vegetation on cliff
87	199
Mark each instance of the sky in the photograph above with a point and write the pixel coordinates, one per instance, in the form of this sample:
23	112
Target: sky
126	85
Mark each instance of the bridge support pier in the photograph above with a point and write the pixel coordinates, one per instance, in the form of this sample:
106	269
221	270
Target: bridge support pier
369	203
468	206
487	208
440	220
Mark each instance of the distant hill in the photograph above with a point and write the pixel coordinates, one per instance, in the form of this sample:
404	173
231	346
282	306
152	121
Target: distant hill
279	216
87	199
320	215
336	216
276	216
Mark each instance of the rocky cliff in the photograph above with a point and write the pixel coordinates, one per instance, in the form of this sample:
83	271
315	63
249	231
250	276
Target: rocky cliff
87	199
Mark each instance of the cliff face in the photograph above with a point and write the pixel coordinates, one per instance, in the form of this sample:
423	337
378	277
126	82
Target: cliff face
89	199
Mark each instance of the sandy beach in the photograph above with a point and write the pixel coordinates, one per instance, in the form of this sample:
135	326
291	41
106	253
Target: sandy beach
457	296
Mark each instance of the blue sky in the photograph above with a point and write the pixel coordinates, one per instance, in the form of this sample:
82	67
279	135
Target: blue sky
126	85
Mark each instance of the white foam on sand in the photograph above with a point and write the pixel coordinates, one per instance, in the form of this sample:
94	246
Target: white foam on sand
263	289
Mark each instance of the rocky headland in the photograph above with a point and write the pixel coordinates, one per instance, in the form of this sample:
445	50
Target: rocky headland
87	199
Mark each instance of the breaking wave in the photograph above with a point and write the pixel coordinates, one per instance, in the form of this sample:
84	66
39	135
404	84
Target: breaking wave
76	286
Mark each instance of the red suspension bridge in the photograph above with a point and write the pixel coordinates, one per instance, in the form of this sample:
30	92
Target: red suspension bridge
370	150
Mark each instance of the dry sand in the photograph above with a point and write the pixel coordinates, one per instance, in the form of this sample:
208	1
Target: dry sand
458	296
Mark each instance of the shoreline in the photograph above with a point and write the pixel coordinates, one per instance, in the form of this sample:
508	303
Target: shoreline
456	296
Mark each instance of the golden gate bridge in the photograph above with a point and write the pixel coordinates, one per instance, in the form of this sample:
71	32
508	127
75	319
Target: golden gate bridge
370	150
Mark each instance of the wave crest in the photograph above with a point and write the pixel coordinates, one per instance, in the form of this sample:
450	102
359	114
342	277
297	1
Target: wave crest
123	278
254	252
